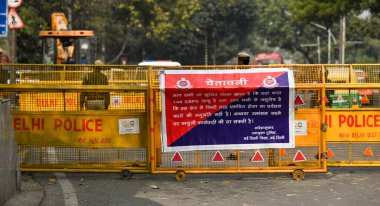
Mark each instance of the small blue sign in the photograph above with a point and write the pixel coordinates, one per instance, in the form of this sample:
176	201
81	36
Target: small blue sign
3	18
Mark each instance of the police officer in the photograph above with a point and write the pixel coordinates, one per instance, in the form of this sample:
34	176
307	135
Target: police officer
95	100
243	58
3	72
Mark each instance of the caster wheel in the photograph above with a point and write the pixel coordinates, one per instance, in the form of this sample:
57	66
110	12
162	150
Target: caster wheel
126	174
180	175
298	174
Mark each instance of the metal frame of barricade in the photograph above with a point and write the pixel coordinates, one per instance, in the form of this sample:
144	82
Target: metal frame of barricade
354	140
40	93
277	159
346	153
64	79
71	157
350	146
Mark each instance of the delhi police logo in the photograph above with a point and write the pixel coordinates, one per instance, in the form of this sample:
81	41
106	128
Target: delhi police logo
183	83
129	124
270	82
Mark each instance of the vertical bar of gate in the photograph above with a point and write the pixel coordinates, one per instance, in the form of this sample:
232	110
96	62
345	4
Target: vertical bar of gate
41	155
198	159
63	77
149	103
322	98
64	100
352	74
350	152
79	155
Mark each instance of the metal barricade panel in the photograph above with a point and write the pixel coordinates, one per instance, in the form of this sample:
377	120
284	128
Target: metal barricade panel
306	154
348	90
352	93
42	101
354	154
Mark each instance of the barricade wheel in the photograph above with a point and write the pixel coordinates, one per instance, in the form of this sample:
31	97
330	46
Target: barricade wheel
298	174
180	175
126	174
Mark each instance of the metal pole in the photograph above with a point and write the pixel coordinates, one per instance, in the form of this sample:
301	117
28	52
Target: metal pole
213	48
69	14
328	47
206	50
342	42
318	50
13	58
14	45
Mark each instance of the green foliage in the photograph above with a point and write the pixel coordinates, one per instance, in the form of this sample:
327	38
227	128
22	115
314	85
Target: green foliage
321	11
28	44
220	28
196	31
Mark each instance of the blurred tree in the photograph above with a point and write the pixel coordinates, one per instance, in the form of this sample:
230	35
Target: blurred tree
324	12
276	32
31	13
196	32
218	31
358	28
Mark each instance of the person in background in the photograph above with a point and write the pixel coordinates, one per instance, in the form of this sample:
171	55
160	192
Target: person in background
243	58
4	59
123	60
95	100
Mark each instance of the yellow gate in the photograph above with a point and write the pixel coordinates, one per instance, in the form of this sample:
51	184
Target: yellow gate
307	156
56	133
353	115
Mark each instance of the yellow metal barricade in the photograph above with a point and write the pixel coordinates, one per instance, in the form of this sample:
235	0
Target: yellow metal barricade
307	156
340	106
352	115
53	131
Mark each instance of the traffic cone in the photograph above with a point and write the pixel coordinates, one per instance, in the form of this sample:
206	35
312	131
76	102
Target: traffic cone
330	153
282	152
364	100
368	152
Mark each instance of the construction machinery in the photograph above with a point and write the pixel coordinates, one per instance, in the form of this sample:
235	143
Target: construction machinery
63	46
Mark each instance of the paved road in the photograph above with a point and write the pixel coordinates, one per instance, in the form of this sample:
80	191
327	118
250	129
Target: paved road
340	186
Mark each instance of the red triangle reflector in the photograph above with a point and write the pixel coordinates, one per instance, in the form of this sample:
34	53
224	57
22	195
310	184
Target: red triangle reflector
330	153
368	152
282	152
340	99
364	100
299	157
218	157
298	100
325	99
177	157
257	157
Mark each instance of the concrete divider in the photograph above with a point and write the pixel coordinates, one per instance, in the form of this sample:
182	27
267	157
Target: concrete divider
10	173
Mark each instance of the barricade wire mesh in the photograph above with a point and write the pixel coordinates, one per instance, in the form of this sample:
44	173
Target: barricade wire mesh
137	101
